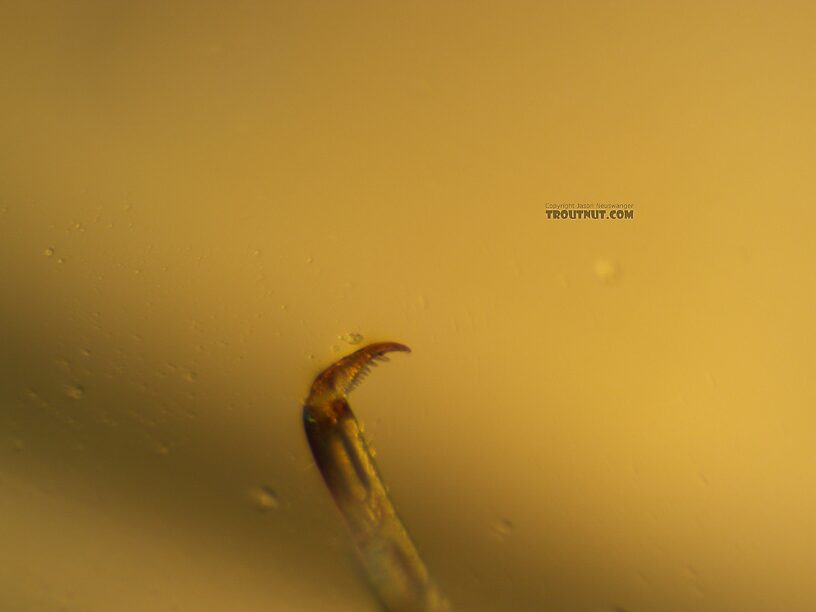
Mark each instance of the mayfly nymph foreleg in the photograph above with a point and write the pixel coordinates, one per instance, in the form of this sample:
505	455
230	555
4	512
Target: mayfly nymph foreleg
391	561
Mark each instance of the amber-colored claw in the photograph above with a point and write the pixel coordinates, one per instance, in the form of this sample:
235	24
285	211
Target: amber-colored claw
391	560
341	377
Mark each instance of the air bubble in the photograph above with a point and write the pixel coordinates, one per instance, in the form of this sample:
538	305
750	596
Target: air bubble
49	252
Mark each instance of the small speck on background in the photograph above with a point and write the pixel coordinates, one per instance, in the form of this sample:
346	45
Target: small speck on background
265	498
606	271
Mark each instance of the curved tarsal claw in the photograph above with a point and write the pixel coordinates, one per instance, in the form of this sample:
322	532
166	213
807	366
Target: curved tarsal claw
342	377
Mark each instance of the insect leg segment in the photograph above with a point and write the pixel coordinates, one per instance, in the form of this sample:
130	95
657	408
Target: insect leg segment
392	562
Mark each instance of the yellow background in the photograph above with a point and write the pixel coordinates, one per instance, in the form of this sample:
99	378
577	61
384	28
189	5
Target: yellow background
198	199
